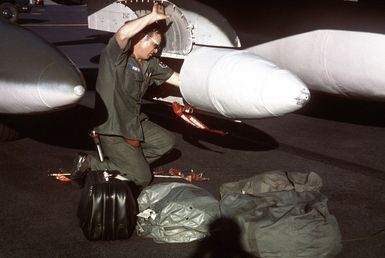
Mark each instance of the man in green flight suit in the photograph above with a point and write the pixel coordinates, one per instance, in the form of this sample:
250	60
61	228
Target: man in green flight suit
127	67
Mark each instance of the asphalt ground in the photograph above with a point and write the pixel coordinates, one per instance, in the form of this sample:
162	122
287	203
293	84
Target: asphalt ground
341	140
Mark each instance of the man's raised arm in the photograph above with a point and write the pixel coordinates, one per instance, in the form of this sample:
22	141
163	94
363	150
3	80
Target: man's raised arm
131	28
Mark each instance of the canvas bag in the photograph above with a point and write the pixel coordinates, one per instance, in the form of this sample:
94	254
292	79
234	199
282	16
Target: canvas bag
176	212
282	214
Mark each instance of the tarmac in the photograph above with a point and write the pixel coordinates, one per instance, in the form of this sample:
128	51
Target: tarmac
342	140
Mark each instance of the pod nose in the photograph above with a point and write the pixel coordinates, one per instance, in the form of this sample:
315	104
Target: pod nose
60	85
284	93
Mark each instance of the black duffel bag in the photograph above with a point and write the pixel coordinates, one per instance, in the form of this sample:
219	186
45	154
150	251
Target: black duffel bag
107	208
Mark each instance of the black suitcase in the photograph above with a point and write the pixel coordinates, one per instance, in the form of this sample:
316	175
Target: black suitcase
107	208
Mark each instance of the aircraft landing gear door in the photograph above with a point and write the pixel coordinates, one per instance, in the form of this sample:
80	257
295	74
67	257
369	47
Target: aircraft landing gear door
178	40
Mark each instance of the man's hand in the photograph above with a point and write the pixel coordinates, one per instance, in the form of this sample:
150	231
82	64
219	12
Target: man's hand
158	11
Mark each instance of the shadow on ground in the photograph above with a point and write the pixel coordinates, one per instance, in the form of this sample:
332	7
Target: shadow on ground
224	241
70	128
240	136
67	128
336	108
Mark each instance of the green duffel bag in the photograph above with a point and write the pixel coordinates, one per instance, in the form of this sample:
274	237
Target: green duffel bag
176	212
278	220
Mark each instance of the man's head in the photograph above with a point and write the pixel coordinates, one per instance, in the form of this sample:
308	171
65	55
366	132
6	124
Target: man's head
147	43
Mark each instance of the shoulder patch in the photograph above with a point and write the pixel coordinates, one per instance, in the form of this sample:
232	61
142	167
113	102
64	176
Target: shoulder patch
162	65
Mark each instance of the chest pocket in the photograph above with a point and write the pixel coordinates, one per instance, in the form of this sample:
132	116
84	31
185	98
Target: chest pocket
133	78
135	73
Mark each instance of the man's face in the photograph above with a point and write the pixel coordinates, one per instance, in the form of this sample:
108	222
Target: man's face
147	47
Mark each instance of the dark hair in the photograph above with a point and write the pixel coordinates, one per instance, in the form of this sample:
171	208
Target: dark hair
152	29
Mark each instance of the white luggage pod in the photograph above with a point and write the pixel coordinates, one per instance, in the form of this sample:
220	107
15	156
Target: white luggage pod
239	85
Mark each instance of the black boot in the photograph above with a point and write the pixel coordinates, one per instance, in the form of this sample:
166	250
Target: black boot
81	167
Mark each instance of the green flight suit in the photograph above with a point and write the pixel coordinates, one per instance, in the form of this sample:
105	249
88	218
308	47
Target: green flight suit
120	86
